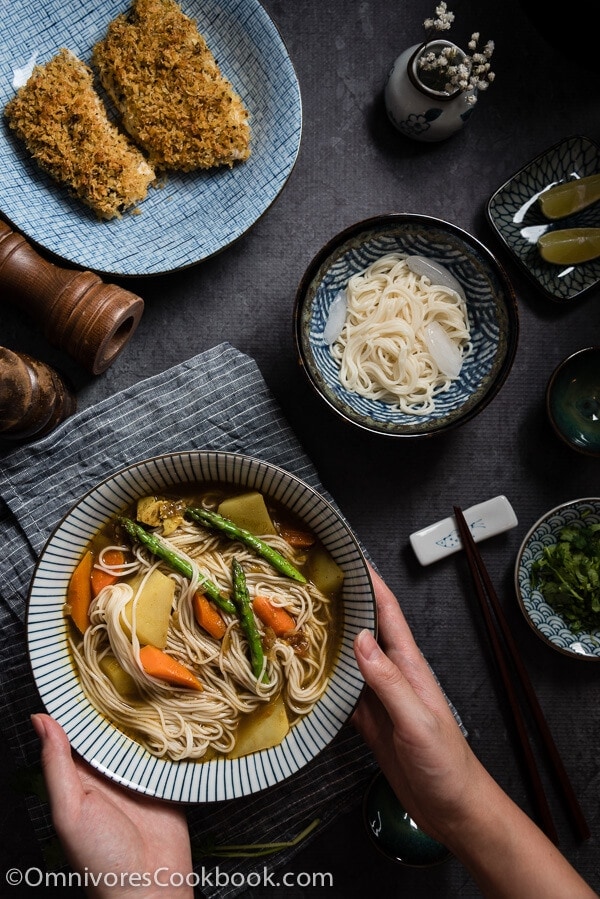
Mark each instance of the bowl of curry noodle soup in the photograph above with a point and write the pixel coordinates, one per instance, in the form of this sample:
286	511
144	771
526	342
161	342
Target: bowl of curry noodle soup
191	621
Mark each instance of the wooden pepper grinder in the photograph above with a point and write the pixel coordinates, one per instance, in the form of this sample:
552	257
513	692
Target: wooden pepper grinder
79	313
34	398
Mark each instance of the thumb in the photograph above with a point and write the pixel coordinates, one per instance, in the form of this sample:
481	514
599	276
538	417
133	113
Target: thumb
387	681
61	776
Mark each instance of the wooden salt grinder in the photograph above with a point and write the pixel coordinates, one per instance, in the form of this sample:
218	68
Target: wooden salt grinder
34	398
79	313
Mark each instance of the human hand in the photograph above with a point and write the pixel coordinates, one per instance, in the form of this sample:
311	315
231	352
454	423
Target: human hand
405	718
106	830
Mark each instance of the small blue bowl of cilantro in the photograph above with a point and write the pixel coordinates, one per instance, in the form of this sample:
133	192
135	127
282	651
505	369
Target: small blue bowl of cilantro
557	578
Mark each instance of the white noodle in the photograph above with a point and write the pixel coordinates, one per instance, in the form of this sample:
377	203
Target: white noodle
176	722
382	350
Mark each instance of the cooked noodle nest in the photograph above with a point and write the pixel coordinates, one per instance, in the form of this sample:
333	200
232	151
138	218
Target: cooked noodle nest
179	723
381	351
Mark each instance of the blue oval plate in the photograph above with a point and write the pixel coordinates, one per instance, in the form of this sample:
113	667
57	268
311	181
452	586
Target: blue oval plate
196	214
545	621
516	218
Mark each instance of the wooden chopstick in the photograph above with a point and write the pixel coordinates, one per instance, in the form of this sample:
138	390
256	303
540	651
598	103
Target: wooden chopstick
491	608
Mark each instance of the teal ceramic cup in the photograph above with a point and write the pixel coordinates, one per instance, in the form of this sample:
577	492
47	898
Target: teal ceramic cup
394	832
573	400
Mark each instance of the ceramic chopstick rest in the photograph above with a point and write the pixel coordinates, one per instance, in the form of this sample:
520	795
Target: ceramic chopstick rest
434	542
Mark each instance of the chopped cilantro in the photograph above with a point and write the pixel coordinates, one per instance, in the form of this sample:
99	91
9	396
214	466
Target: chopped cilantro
568	576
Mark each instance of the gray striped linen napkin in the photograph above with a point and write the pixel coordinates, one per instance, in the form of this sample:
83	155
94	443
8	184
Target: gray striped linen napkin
216	400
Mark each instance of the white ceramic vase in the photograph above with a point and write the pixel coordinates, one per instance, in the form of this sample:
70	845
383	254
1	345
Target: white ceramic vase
417	110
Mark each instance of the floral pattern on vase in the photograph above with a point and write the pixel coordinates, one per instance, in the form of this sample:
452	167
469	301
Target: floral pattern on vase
417	110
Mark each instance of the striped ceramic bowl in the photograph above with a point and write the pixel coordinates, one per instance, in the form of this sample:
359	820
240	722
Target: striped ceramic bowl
110	750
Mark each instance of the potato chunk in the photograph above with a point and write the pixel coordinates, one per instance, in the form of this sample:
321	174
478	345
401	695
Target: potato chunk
261	729
121	680
249	511
323	571
153	609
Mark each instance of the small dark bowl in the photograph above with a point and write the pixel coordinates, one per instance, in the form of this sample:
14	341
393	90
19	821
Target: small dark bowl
573	401
491	305
394	832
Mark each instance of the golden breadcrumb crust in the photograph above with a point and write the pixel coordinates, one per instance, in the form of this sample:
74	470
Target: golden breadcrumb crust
173	98
63	123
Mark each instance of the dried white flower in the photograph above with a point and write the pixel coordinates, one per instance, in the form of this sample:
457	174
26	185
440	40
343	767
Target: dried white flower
471	73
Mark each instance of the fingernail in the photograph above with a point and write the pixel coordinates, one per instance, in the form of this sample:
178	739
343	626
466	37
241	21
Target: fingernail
39	726
366	644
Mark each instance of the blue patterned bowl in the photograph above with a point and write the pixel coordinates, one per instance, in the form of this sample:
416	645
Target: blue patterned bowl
548	624
491	307
516	217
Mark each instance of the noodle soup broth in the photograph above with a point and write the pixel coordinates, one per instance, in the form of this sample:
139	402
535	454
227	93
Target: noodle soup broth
182	673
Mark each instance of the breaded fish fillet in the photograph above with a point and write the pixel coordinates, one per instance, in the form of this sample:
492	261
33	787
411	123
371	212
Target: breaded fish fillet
64	125
165	82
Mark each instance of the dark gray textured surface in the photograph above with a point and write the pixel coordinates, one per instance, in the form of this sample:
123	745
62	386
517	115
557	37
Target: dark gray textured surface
351	166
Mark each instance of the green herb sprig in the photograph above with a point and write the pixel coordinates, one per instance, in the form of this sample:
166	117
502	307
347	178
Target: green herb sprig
568	576
209	848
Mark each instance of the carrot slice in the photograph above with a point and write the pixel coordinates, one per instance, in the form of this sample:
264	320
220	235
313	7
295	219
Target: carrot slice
79	592
164	667
273	616
100	578
208	617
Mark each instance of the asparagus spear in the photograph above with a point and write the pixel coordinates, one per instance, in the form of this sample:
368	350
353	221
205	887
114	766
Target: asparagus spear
241	599
226	526
159	547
